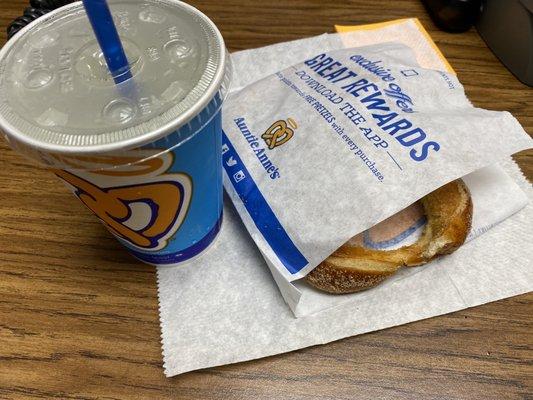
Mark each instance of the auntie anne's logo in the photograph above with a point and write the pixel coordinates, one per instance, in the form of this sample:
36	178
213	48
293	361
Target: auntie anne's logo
144	205
280	132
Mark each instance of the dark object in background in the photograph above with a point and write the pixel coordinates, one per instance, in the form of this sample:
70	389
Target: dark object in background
454	15
505	25
30	14
38	8
507	28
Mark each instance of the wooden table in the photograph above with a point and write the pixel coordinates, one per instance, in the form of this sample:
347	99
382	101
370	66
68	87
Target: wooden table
78	316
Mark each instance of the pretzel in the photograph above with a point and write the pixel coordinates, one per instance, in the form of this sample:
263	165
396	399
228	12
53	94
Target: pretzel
353	267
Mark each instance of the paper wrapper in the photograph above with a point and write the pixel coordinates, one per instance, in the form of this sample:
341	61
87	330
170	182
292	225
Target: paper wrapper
325	149
225	307
495	197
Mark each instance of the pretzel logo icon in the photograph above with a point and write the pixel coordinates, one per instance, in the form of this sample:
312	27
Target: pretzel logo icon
280	132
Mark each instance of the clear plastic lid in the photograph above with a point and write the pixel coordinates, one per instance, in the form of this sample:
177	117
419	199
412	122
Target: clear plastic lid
58	98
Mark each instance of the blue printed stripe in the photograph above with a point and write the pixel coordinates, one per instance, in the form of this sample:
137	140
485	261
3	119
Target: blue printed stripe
182	255
264	218
367	240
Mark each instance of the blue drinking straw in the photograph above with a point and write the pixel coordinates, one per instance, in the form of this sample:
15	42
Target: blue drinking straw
106	33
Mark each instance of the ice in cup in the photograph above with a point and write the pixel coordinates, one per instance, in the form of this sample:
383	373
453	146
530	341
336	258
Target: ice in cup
145	155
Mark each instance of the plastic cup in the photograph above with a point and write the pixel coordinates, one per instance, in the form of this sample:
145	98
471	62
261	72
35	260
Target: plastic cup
145	155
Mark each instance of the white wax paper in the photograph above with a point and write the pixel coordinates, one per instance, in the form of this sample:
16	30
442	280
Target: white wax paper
370	147
225	307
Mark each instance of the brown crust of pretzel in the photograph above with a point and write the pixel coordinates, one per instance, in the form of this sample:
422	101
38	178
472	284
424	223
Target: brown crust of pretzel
353	268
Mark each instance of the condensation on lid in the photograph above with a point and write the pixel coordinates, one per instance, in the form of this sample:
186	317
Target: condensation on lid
56	92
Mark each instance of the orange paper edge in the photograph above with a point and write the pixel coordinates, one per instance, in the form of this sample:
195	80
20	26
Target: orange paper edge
345	29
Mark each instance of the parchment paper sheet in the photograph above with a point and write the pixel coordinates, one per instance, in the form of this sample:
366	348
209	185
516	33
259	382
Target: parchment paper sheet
225	306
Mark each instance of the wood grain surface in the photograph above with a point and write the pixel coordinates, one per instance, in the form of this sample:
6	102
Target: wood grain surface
78	316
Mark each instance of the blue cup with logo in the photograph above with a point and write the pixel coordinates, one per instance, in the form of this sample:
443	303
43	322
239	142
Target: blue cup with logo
144	155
